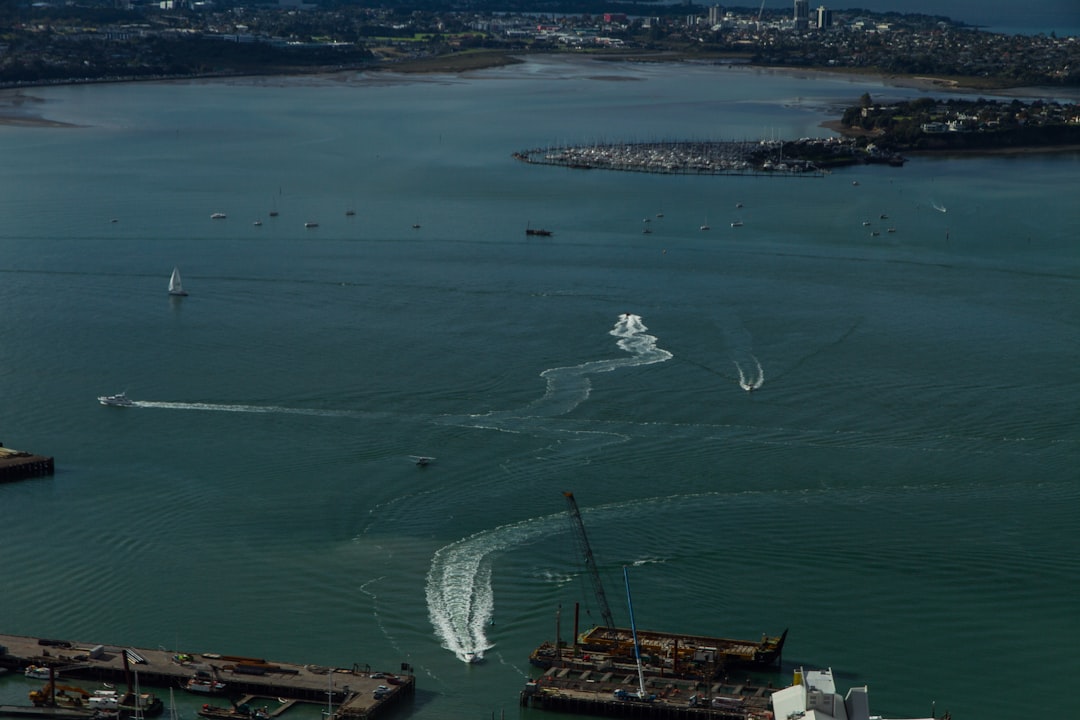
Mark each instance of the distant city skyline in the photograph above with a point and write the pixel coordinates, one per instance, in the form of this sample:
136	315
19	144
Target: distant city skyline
1060	16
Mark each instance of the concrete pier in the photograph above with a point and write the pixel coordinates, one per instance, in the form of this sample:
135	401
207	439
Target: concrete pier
356	693
19	465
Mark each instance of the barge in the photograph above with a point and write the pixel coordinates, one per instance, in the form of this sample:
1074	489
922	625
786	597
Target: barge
811	695
662	653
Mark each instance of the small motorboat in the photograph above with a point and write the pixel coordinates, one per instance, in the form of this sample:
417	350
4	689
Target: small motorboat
204	685
38	672
118	400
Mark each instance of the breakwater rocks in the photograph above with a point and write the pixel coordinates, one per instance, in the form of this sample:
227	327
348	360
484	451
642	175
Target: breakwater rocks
800	158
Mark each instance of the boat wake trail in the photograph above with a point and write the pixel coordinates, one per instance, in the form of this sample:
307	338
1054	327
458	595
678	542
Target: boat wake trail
568	387
751	384
277	409
460	599
459	593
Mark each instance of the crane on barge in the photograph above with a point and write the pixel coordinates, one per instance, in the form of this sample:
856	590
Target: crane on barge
590	561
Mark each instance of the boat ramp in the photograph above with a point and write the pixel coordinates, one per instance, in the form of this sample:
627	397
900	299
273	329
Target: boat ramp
356	693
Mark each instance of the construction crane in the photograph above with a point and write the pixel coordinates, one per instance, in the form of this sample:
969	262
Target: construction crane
590	561
760	10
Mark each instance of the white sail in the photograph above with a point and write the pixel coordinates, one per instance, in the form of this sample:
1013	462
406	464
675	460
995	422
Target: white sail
175	287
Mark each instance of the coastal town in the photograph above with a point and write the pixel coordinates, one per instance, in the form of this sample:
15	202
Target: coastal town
91	41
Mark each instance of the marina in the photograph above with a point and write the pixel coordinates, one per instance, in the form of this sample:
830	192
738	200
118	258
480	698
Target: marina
357	693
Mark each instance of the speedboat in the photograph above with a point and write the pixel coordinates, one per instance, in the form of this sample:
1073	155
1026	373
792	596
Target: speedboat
217	216
118	400
37	672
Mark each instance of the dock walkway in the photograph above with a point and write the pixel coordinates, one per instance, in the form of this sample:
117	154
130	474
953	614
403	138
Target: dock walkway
357	693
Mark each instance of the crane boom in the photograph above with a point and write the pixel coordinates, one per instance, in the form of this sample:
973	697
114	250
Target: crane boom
590	561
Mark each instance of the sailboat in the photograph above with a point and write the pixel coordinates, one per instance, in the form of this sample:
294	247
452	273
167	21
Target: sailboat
175	287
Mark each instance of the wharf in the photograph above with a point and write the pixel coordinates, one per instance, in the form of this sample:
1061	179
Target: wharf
357	693
614	694
19	465
48	713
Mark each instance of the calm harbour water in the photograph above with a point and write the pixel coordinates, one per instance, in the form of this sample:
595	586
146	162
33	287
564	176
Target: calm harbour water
901	492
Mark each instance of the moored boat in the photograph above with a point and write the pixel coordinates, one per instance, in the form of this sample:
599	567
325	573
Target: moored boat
239	712
204	685
126	704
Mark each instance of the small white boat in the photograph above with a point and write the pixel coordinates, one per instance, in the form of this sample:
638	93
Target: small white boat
38	672
217	216
175	286
737	223
118	400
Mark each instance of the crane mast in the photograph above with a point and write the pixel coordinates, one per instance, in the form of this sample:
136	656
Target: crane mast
590	561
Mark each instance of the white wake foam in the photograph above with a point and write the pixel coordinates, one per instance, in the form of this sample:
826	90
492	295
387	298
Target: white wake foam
460	599
752	383
568	387
459	593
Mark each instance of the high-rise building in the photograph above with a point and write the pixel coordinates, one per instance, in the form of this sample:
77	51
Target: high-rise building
802	14
824	18
715	14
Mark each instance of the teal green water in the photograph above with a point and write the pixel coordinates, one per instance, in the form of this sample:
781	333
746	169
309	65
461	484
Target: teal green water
901	492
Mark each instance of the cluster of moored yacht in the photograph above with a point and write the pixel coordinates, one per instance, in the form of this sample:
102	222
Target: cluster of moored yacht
109	703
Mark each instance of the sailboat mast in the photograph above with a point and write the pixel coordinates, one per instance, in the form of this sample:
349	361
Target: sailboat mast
330	694
633	630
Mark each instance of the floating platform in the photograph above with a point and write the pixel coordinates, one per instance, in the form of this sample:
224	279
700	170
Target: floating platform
812	694
616	694
667	654
356	693
20	465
